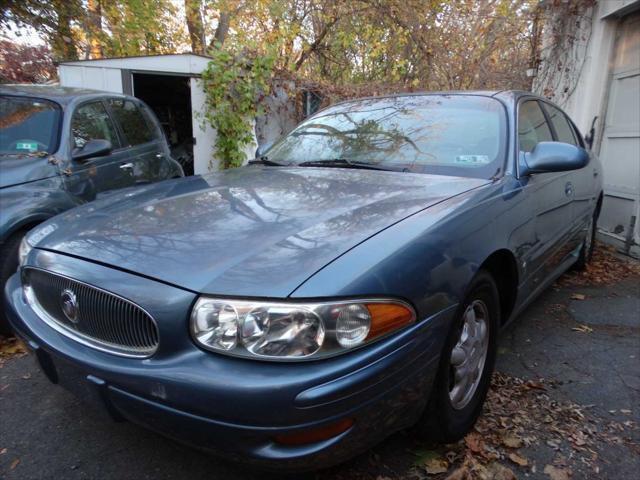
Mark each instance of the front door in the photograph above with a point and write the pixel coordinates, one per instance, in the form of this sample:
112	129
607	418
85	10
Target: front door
550	197
99	174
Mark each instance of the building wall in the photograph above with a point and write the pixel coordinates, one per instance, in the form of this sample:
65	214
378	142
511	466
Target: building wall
98	78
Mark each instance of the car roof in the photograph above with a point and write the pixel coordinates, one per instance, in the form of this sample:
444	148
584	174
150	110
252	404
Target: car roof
56	93
507	96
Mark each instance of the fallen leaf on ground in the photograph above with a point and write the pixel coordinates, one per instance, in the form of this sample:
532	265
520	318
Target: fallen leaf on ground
436	466
556	473
583	329
14	464
3	451
461	473
497	471
512	441
578	296
474	442
515	458
11	346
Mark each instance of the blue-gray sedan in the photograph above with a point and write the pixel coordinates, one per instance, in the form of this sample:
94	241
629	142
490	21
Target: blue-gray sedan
350	283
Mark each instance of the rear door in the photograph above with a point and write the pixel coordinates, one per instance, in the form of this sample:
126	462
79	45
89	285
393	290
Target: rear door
583	181
144	141
91	120
550	197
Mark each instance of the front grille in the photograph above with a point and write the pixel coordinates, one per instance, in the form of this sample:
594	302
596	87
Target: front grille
93	316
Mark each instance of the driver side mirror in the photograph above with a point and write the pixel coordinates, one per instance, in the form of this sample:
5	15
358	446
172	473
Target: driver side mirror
93	148
553	157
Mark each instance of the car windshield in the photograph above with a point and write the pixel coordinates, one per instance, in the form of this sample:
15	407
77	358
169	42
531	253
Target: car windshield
461	135
28	125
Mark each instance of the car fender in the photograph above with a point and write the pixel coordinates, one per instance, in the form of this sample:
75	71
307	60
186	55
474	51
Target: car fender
428	259
32	203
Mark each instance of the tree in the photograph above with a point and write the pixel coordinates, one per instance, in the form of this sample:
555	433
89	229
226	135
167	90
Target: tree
193	14
25	64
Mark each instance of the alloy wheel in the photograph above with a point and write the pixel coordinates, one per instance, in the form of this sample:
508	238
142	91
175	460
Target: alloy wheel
469	355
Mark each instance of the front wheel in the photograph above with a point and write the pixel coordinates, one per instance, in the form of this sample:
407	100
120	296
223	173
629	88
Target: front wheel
466	365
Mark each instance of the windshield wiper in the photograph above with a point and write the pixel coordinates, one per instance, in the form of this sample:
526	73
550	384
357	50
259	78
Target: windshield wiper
343	163
265	161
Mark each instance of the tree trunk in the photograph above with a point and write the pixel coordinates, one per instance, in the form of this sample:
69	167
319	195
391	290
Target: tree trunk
62	43
222	30
193	13
94	44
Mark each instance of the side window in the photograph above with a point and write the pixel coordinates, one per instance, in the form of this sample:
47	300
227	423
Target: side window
131	120
560	123
91	122
156	131
532	126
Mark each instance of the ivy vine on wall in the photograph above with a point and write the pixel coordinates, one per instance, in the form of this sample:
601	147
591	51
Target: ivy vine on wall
233	85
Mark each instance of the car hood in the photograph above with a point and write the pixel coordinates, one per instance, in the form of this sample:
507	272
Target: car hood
252	231
15	170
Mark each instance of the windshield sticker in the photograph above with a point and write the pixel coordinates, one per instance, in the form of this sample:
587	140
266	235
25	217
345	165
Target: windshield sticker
473	159
30	146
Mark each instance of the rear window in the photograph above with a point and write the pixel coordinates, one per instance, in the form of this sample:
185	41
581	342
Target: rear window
28	125
133	124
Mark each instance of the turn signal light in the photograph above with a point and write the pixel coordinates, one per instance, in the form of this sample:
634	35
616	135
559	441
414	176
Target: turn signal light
387	317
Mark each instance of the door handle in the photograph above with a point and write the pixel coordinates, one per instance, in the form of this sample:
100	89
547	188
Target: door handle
159	155
568	189
127	166
595	173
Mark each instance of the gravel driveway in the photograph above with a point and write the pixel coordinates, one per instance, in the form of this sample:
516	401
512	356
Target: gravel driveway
565	404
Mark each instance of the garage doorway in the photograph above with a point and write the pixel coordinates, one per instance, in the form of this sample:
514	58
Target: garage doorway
169	96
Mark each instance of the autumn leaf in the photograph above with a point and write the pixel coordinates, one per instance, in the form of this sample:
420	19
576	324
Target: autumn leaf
512	441
474	442
519	460
556	473
582	329
578	296
435	466
14	464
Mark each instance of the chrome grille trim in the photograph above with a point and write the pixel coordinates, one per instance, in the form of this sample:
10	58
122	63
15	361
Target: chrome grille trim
107	322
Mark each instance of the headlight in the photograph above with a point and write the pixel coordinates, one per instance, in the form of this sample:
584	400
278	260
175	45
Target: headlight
23	250
289	331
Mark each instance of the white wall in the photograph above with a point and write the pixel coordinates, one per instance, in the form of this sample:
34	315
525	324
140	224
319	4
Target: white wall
96	78
204	134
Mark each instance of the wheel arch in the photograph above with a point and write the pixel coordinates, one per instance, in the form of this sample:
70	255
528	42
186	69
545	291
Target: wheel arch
502	266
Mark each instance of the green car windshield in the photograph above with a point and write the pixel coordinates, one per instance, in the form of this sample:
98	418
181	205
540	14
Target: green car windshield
28	125
459	135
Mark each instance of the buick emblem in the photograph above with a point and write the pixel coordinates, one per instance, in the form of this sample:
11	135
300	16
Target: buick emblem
69	305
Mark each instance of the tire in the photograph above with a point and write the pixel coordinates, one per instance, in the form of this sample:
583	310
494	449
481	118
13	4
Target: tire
8	266
586	252
452	411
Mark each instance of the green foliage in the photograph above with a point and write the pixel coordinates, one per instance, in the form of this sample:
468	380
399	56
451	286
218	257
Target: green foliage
233	85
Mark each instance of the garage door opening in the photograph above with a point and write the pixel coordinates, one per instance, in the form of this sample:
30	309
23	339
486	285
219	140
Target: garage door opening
169	96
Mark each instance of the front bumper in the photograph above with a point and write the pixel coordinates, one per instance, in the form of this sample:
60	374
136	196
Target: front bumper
235	407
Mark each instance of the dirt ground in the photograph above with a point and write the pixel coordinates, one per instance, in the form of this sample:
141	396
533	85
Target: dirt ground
565	404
